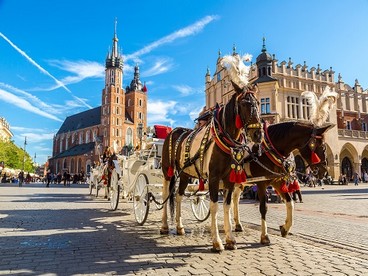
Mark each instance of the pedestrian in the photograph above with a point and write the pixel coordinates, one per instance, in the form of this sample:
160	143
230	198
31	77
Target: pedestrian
20	178
365	177
48	178
356	179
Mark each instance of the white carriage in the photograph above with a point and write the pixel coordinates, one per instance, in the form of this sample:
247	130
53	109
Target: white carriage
139	179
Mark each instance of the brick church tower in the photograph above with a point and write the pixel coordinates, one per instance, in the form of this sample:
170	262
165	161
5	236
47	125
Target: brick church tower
122	112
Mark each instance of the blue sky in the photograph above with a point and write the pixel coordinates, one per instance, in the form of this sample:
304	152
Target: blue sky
52	53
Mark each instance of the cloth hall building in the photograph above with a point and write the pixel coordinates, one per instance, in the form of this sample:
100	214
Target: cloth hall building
121	119
280	86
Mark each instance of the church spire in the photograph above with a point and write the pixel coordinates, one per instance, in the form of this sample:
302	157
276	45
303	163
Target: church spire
115	50
114	59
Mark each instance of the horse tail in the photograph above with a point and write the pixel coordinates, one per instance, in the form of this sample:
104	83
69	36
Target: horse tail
172	196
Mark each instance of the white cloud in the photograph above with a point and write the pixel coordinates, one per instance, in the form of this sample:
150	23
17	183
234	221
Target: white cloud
35	137
158	112
25	129
37	103
161	66
82	69
194	113
23	104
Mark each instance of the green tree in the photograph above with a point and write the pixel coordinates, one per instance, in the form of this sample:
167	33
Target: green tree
13	156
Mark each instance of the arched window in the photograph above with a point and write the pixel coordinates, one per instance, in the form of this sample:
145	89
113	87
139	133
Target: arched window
117	100
117	121
80	138
79	168
140	102
129	102
72	166
88	134
117	110
346	168
61	144
364	167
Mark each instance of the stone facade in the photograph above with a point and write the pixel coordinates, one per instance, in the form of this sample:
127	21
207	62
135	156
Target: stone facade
280	87
5	133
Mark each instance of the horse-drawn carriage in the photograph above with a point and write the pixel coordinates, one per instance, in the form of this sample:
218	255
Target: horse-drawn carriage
138	178
231	148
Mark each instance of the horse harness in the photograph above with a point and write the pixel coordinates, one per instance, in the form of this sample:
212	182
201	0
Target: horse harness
238	148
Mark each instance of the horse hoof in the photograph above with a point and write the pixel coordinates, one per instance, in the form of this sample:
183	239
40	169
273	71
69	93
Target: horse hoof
180	231
283	231
164	231
231	246
265	240
217	247
239	228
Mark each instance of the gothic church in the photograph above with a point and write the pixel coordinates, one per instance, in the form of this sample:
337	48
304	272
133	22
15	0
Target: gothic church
121	116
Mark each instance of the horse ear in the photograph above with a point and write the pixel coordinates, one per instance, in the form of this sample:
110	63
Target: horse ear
237	89
321	130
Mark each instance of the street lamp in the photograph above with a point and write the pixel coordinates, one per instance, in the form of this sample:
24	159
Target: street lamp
140	134
24	151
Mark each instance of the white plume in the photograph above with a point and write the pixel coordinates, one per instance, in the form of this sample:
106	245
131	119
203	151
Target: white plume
238	71
320	108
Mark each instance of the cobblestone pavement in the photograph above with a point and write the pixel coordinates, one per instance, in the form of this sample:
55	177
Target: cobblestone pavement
64	231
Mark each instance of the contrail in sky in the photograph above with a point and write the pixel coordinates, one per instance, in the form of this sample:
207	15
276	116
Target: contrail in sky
187	31
42	70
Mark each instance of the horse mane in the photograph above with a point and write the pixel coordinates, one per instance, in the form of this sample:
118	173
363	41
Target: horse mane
279	130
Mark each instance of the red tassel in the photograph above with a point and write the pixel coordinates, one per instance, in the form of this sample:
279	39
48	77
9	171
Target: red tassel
243	177
170	172
201	185
284	188
291	187
315	159
232	177
296	185
238	121
238	180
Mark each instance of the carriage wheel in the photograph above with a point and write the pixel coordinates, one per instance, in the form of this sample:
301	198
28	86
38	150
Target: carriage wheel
200	206
140	199
114	190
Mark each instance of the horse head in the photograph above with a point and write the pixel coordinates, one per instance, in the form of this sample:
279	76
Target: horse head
247	112
314	152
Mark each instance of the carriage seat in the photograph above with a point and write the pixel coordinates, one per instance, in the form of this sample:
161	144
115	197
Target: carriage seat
161	132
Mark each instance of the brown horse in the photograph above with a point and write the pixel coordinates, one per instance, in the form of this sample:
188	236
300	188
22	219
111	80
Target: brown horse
277	168
207	153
